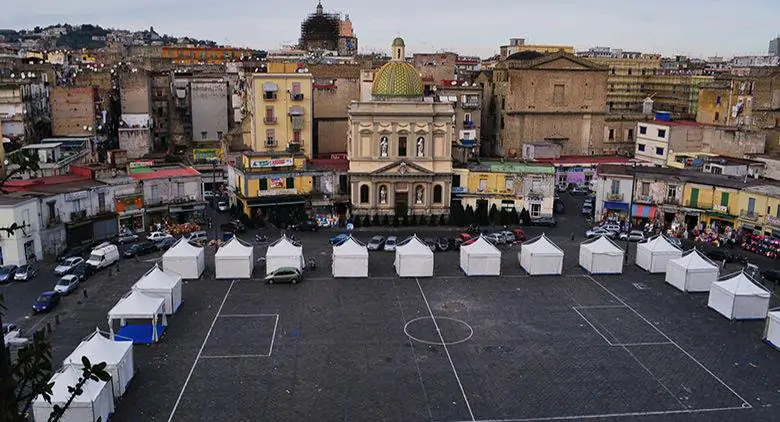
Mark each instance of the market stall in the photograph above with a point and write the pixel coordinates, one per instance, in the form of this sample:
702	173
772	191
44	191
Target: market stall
655	253
235	259
772	329
166	285
764	245
693	272
350	259
185	259
601	256
283	253
480	257
117	354
96	402
413	258
737	296
137	305
539	256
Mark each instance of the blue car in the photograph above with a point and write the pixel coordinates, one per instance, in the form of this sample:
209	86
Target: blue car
338	239
46	302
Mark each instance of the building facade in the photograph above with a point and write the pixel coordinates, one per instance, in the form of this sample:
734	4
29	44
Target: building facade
334	87
210	104
24	111
466	100
73	111
400	147
22	246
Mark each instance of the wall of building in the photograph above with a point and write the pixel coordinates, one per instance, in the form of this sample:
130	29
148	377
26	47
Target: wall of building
12	247
136	141
281	123
72	108
604	191
135	91
733	143
435	67
166	190
209	102
334	87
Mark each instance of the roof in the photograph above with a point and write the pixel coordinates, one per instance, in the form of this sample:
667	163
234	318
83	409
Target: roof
166	173
768	190
542	245
659	244
712	159
741	285
334	71
481	247
182	248
525	55
284	247
98	348
329	164
156	278
137	305
695	260
14	199
675	123
69	376
42	146
397	79
512	167
413	246
690	175
602	245
399	42
235	248
585	160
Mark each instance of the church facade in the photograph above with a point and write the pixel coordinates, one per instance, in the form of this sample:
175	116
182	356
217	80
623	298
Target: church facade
399	146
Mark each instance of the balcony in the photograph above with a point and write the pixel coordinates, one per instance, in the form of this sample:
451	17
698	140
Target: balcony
615	197
270	143
723	209
749	214
78	215
269	96
294	146
296	97
468	124
535	195
151	202
644	199
467	143
672	201
470	104
269	120
698	204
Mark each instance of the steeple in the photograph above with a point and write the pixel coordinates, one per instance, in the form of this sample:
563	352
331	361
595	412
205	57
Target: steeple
319	8
399	49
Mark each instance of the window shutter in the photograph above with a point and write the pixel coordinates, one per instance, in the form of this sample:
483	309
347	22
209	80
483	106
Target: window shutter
263	184
290	183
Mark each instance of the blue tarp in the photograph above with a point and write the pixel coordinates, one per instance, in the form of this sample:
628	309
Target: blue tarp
140	333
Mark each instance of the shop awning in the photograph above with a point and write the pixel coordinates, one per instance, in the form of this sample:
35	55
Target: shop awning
270	87
618	206
644	211
721	215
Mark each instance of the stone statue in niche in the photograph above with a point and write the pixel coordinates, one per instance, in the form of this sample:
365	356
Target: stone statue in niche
383	146
383	194
419	194
421	147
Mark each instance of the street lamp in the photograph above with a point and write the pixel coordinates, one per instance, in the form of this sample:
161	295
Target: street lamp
630	206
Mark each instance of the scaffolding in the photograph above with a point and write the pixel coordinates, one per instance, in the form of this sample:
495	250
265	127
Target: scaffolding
320	31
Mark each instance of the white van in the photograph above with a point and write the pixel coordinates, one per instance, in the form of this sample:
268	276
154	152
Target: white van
103	255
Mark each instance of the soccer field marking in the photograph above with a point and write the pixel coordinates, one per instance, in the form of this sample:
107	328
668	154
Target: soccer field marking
273	335
617	415
576	309
248	315
200	352
745	403
446	350
232	356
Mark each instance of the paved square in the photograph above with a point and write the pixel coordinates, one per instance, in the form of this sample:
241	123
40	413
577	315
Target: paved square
241	335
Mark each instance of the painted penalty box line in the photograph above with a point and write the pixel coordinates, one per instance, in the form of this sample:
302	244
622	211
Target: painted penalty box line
616	415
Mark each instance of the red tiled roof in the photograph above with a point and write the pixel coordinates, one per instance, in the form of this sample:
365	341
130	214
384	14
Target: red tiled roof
585	159
29	184
167	173
329	164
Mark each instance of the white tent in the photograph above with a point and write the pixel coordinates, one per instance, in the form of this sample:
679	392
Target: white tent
235	259
413	258
654	254
138	305
185	259
283	253
539	256
693	272
166	285
480	258
772	330
737	296
96	400
350	259
118	356
601	256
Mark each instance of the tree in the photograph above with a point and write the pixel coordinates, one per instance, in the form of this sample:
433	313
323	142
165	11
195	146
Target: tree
493	215
469	217
22	160
525	217
385	220
405	221
413	220
503	217
396	223
366	221
442	220
375	220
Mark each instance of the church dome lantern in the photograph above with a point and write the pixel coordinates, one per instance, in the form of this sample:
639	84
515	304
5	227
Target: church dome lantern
397	79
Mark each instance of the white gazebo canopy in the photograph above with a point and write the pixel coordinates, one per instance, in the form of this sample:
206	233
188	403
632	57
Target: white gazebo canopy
138	305
540	256
480	258
601	256
413	258
166	285
283	253
117	354
654	254
772	330
95	401
185	259
350	259
235	259
693	272
738	296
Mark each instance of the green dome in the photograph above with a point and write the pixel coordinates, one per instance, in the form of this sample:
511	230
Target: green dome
397	79
399	42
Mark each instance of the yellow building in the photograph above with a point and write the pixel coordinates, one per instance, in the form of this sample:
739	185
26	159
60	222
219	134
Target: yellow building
268	183
518	45
726	102
759	209
280	105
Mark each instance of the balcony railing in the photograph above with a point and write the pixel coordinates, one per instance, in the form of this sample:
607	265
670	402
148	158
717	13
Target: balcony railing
150	202
672	201
749	214
644	199
269	96
698	204
78	215
296	97
269	120
470	104
615	197
270	143
294	146
468	124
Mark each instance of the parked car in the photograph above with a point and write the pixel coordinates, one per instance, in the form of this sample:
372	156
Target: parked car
83	271
207	194
771	275
164	244
157	236
676	242
561	187
633	236
431	243
233	227
67	284
390	243
599	231
25	273
587	209
719	255
611	227
223	206
376	243
545	221
494	238
580	190
103	255
67	266
139	249
46	302
308	225
7	273
442	244
509	236
338	239
284	275
519	233
72	251
126	237
196	236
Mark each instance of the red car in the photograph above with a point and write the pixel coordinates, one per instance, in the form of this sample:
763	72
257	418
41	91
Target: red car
519	233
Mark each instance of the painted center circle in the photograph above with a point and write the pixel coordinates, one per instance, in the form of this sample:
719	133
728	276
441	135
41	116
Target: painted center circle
453	331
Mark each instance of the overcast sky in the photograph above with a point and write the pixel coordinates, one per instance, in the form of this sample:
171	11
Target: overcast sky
693	27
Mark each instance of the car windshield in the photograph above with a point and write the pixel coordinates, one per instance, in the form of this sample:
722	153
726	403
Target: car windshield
44	298
7	269
63	282
391	241
96	257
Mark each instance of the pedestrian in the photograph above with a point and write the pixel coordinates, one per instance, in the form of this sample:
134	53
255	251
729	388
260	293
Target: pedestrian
572	236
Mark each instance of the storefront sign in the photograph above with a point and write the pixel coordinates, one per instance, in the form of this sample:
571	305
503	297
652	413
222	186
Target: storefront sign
276	162
458	189
775	221
206	154
338	156
276	192
277	183
721	208
137	164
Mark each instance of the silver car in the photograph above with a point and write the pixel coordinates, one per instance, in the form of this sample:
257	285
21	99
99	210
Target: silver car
67	284
25	273
390	243
376	243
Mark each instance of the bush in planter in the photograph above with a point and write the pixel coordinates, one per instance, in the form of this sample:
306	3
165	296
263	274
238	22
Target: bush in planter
525	217
469	217
423	220
503	217
434	220
375	220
